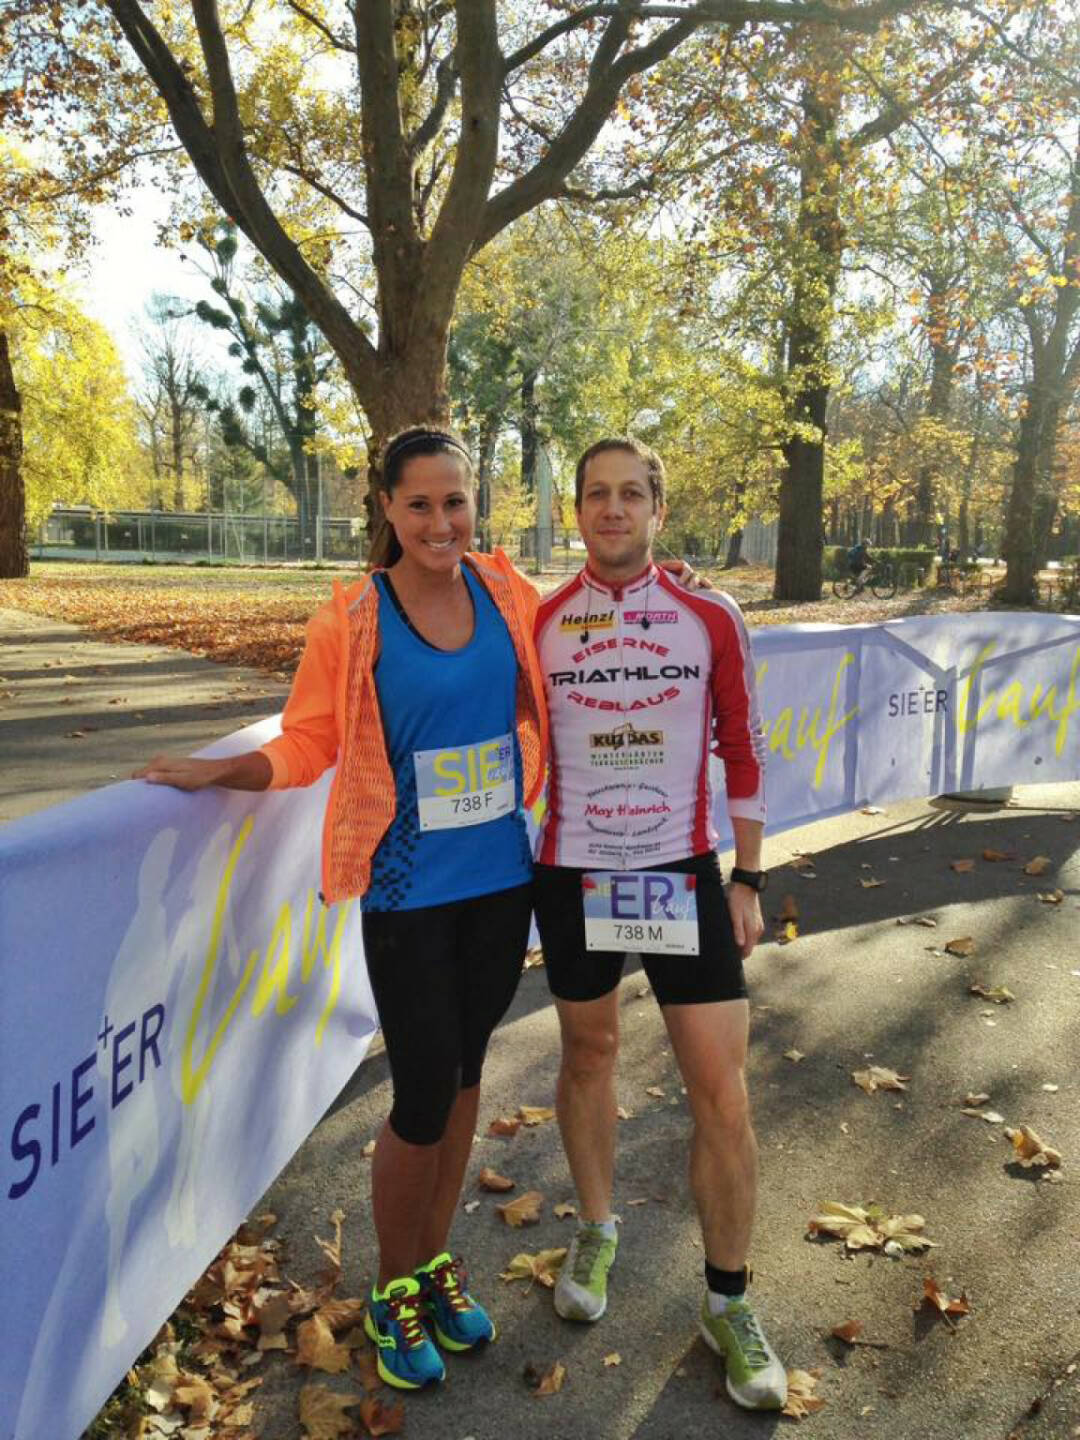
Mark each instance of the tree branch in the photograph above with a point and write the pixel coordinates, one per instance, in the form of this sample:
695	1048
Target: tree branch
446	77
220	159
321	26
607	75
387	162
455	229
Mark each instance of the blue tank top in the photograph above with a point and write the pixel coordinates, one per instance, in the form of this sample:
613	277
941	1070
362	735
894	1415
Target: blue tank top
449	718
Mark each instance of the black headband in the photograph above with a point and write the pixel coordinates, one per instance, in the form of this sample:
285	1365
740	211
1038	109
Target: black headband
424	437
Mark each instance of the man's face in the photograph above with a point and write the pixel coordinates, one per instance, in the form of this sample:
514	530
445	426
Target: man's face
617	517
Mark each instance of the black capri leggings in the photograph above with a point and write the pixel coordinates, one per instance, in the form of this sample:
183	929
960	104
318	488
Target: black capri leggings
443	977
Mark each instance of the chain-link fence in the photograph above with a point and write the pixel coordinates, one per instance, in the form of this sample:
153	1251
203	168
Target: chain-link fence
148	535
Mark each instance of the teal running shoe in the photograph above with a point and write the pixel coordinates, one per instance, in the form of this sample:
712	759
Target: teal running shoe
459	1321
756	1379
581	1289
406	1357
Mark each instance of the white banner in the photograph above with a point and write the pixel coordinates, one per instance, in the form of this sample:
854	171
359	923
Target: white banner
177	1009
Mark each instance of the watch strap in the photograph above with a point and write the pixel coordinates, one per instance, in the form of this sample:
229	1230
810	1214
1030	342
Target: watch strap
756	879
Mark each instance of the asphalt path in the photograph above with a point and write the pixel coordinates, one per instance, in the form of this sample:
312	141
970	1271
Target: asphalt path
856	988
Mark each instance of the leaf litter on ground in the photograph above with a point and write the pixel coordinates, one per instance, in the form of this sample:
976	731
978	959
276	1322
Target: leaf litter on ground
869	1227
879	1077
539	1269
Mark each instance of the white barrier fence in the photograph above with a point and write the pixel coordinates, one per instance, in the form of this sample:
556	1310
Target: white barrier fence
177	1010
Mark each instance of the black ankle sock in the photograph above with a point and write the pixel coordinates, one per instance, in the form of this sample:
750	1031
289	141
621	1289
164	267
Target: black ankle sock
726	1282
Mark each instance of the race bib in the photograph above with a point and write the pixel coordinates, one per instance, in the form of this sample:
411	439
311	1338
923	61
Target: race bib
643	910
466	785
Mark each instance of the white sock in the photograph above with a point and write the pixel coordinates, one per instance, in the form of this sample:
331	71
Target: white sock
719	1303
606	1226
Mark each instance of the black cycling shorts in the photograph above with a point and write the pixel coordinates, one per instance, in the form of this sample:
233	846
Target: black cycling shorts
575	973
443	977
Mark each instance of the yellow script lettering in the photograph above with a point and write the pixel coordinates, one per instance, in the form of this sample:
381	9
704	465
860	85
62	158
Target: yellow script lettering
192	1081
275	977
331	958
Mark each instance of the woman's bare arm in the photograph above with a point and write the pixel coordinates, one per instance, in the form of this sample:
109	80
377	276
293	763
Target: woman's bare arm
250	771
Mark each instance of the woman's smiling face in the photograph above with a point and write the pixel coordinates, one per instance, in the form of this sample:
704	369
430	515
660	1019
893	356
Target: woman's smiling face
433	510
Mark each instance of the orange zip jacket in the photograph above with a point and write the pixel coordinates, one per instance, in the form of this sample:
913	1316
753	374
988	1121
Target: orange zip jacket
332	715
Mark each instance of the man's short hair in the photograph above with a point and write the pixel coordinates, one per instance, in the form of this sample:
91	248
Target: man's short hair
654	466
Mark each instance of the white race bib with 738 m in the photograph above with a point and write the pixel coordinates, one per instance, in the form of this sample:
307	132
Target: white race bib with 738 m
644	910
465	784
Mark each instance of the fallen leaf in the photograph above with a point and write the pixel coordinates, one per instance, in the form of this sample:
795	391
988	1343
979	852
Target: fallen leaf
564	1210
491	1180
948	1305
332	1248
994	855
1038	866
794	1055
623	1113
927	921
1051	897
801	1400
196	1396
871	810
317	1348
368	1150
1031	1150
973	1098
962	867
380	1418
525	1210
879	1077
871	884
639	1200
999	994
339	1314
504	1125
534	958
322	1412
471	1206
848	1332
1051	1089
868	1227
536	1114
551	1381
367	1367
654	1090
272	1316
543	1267
963	946
787	932
613	1359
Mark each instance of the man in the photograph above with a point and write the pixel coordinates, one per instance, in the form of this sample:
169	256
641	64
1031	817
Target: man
859	558
644	679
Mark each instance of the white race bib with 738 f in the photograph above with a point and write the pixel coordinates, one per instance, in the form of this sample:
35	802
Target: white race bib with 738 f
466	784
654	911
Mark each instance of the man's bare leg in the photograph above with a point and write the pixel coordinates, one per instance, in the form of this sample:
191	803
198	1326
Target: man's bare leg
585	1098
710	1044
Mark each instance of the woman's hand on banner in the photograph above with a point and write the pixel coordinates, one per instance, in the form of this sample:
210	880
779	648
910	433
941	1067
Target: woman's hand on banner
250	771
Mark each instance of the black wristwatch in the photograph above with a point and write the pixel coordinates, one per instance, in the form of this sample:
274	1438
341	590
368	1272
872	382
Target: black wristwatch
756	879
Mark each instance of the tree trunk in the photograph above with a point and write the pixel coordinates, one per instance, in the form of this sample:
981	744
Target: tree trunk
942	370
802	481
176	414
414	393
734	549
529	440
14	560
485	454
1019	586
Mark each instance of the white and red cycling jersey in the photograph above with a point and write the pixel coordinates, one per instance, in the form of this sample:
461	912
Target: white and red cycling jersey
644	681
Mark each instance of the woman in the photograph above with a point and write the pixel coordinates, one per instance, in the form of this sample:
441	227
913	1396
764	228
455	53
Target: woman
421	683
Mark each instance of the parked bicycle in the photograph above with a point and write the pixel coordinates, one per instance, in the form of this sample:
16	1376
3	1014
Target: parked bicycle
879	578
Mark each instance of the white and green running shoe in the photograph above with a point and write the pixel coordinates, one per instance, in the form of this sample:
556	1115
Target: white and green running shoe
756	1379
581	1290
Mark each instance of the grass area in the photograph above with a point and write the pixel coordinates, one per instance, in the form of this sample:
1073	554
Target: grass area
256	616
